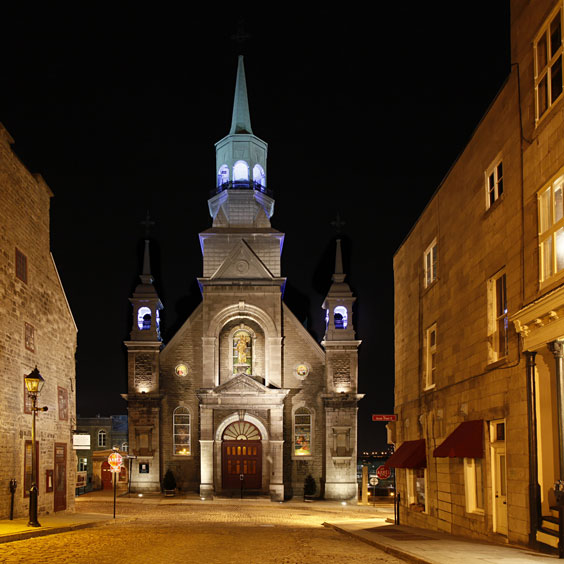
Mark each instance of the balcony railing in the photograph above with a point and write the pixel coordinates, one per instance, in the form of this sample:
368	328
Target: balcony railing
242	185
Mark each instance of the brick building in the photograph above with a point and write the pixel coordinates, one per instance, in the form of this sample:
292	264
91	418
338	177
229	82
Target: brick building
36	329
479	306
242	392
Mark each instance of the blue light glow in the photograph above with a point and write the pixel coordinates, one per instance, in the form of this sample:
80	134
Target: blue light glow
340	315
240	171
222	175
258	175
144	318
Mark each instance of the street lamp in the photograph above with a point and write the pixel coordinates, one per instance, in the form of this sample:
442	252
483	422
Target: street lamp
33	383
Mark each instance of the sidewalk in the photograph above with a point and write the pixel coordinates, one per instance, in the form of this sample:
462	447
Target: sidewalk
429	547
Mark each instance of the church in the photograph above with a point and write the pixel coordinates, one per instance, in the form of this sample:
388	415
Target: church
243	397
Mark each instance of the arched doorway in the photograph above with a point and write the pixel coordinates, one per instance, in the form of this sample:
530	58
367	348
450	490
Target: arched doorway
241	457
107	476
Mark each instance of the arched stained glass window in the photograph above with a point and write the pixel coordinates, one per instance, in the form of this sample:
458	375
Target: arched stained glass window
240	171
302	432
242	352
181	431
241	431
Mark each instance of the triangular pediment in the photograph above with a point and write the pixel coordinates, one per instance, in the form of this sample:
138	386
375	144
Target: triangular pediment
242	384
242	262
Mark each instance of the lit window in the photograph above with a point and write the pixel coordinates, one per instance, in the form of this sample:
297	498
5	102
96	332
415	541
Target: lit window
181	431
242	352
416	488
340	317
21	266
240	171
494	183
302	432
430	264
258	175
144	318
223	175
498	324
548	64
430	356
474	484
551	229
82	464
124	447
102	438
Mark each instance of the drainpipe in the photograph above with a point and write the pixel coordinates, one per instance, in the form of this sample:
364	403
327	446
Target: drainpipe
534	488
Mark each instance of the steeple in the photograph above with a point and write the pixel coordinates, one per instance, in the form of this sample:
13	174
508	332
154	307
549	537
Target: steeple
241	197
241	119
338	303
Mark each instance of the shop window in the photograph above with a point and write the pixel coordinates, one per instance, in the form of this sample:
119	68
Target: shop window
474	484
417	488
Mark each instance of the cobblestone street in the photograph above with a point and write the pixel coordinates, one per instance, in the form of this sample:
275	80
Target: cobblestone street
209	532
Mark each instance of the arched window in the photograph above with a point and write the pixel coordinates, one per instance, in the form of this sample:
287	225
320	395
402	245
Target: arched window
144	318
181	431
102	438
222	175
242	352
240	171
124	447
258	175
302	432
340	316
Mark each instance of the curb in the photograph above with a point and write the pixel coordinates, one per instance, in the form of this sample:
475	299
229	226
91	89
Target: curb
408	556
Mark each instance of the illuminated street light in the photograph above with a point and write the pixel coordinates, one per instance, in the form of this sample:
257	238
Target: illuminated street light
33	383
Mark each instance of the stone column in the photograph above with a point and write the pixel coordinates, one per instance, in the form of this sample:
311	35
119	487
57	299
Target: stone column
557	349
206	452
209	364
534	488
274	361
276	481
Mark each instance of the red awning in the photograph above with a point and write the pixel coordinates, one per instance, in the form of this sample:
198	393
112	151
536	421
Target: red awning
411	454
466	441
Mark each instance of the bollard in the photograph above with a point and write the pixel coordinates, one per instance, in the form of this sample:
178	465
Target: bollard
13	486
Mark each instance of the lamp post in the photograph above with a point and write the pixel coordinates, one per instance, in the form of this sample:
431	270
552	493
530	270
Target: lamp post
33	383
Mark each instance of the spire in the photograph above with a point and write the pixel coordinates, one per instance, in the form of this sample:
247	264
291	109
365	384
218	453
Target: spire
146	277
241	120
339	275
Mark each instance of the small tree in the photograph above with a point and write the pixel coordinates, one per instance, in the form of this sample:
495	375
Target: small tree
169	481
309	486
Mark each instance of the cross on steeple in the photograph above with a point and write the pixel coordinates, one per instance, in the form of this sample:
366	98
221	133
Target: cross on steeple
338	224
148	223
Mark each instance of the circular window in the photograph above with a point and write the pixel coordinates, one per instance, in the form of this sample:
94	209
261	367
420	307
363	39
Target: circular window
181	370
302	370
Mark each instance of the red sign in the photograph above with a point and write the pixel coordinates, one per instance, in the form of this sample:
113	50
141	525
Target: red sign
383	472
384	417
115	461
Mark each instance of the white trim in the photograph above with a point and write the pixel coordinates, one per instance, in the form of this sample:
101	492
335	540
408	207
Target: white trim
235	417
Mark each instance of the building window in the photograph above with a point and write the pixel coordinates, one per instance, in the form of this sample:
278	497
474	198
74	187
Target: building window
258	175
63	402
181	431
21	266
29	337
430	356
240	171
83	464
223	175
474	484
144	318
242	352
498	324
102	438
124	447
548	63
302	432
494	183
340	317
416	488
430	264
551	229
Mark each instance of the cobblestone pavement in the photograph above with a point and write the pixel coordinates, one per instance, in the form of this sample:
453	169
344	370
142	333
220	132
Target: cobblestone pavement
197	533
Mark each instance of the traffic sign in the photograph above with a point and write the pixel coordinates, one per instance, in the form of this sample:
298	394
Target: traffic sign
115	460
383	472
384	417
373	481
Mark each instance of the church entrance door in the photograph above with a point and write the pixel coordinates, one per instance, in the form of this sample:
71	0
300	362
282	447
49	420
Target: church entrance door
107	476
241	457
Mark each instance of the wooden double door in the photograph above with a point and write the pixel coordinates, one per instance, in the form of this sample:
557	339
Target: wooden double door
242	465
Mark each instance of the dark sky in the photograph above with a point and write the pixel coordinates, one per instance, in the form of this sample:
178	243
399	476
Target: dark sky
364	112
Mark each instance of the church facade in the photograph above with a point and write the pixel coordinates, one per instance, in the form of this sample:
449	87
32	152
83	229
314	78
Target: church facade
243	396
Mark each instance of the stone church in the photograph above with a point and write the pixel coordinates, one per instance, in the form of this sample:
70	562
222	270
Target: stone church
243	396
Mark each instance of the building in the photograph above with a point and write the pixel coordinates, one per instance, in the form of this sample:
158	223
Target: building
479	312
36	330
106	434
242	396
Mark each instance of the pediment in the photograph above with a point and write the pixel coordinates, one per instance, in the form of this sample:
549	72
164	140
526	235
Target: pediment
241	385
242	262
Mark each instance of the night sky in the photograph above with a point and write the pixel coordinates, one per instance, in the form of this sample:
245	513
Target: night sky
364	113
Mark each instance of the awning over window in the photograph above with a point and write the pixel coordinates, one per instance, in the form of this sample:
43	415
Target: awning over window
466	441
411	454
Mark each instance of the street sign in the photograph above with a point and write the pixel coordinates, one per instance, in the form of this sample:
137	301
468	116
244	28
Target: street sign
115	460
373	481
383	472
383	417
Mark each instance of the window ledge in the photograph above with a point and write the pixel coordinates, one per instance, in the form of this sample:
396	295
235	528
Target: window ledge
429	388
494	205
475	512
427	288
496	363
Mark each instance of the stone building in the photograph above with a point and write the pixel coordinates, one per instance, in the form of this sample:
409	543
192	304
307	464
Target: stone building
479	310
36	329
242	395
106	434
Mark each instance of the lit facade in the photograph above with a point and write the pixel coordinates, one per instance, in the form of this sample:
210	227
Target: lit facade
479	304
242	395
